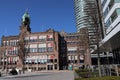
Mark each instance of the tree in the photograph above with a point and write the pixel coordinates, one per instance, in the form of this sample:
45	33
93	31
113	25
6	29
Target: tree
24	31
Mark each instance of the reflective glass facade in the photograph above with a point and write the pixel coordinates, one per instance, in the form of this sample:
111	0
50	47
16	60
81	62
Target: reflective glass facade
85	10
86	14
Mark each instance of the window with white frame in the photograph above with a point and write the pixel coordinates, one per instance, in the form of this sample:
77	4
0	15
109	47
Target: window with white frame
50	37
50	47
33	39
42	38
33	48
42	48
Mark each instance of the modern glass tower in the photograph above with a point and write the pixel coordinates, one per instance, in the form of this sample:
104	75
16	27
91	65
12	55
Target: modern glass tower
87	16
85	12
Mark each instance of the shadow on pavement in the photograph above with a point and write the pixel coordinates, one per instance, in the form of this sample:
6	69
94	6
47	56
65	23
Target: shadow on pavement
25	76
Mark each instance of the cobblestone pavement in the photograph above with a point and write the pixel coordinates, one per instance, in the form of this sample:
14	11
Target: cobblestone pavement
56	75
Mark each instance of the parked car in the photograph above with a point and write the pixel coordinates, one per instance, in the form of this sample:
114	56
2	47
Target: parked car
13	72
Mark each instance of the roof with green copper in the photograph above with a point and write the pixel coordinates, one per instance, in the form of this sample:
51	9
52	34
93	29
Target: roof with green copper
26	15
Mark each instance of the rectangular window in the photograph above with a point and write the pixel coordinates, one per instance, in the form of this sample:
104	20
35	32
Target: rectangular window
118	11
108	23
42	38
111	4
7	43
33	39
117	1
106	12
49	37
33	48
69	57
114	16
4	43
42	48
26	39
50	47
13	42
104	2
72	52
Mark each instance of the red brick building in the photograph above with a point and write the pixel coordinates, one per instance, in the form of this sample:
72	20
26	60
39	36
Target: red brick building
48	50
41	50
77	49
36	51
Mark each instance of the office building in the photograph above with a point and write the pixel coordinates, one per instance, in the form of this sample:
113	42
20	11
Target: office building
111	42
86	14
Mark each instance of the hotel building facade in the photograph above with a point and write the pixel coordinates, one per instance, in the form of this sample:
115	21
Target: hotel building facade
48	50
39	50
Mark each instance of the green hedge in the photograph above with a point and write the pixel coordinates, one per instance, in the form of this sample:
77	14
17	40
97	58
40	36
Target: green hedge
101	78
85	73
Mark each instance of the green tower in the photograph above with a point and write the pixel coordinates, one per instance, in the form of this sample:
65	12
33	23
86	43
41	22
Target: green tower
26	21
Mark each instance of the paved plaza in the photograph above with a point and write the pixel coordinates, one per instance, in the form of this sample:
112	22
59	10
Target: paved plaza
56	75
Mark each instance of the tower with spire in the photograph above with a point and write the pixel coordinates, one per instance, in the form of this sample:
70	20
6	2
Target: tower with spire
25	22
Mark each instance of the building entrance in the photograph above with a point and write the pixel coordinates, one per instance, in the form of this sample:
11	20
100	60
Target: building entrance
50	67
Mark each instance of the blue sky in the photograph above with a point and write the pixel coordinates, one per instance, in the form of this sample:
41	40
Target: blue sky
44	14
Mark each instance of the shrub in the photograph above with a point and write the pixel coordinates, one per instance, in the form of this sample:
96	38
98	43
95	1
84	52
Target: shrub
85	73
